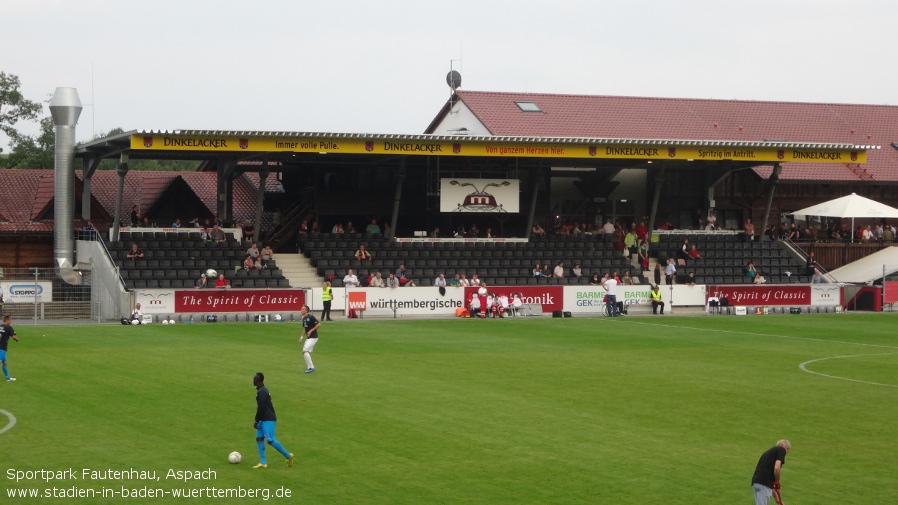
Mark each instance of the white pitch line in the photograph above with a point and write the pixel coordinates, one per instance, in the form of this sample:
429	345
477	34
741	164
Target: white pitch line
12	420
805	369
767	335
802	365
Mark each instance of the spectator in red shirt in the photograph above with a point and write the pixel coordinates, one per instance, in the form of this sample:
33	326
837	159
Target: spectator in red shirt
693	253
221	283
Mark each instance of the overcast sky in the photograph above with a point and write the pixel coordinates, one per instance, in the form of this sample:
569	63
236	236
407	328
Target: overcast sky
380	67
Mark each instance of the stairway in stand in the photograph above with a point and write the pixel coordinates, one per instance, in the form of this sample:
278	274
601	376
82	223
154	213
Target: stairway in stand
298	270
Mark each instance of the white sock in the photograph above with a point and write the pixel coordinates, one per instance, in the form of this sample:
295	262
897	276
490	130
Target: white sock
308	357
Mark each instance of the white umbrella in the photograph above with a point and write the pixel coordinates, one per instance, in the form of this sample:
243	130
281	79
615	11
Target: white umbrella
849	206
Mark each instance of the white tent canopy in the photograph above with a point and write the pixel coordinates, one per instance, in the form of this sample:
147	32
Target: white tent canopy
852	206
849	206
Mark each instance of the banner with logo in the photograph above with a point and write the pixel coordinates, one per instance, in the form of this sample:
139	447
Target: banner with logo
498	196
25	291
550	297
588	299
168	301
780	294
397	301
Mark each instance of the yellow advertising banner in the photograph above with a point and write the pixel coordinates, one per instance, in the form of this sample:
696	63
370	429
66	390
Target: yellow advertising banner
417	146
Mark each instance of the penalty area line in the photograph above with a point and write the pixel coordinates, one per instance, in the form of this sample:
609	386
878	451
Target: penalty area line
805	369
12	421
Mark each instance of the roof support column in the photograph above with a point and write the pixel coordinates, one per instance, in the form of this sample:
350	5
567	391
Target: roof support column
659	184
534	196
260	201
121	170
89	166
772	181
396	198
224	193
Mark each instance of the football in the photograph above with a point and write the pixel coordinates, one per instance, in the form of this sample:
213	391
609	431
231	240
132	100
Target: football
171	321
277	318
165	321
211	274
234	457
135	321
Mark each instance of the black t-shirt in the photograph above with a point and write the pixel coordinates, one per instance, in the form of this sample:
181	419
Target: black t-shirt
309	321
764	471
265	409
6	331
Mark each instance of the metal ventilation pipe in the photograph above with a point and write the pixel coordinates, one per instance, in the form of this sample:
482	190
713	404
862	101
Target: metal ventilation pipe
65	108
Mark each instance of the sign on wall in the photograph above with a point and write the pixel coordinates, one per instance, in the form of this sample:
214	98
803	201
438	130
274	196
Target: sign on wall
498	196
26	292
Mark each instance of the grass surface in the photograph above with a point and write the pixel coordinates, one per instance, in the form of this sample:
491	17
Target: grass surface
635	410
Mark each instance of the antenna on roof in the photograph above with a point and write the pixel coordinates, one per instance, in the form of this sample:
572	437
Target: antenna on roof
453	78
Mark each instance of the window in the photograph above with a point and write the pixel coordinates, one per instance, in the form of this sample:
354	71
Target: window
528	106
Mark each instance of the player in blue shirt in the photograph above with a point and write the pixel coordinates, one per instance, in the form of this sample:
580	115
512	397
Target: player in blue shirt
6	333
265	421
310	327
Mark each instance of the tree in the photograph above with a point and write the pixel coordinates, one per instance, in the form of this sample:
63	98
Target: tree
13	106
33	152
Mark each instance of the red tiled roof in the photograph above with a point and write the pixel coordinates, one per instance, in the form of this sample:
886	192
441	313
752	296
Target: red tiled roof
31	192
697	119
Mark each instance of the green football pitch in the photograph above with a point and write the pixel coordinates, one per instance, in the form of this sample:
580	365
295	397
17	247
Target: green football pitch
641	410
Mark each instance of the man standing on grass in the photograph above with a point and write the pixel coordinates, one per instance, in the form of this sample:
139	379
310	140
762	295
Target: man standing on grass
310	327
610	285
265	421
6	333
766	480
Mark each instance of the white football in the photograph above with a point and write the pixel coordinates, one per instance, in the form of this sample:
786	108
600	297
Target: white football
165	321
135	321
234	457
171	321
211	274
277	317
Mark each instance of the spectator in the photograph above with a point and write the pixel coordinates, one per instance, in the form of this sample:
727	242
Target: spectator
626	280
608	230
251	264
203	282
337	229
546	272
249	232
464	282
349	227
206	235
690	279
642	231
759	279
643	252
474	231
135	252
630	242
266	256
475	281
350	280
373	229
366	282
818	278
489	233
400	274
314	227
145	222
455	281
693	253
303	227
595	280
577	271
558	272
711	221
440	281
670	271
537	230
887	234
216	221
176	224
362	254
253	251
750	271
537	270
195	223
135	216
392	281
217	234
748	230
658	272
684	249
221	283
436	232
377	281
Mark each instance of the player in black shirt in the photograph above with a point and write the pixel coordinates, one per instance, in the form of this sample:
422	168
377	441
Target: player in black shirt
310	327
766	480
6	333
265	421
